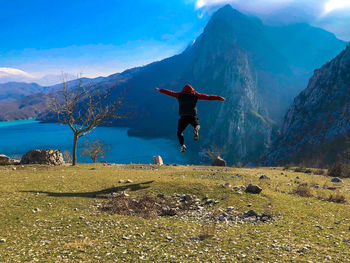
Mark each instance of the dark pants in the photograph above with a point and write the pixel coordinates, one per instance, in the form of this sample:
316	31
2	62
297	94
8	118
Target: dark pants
183	123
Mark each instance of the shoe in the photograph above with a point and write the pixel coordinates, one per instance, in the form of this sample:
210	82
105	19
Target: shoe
195	134
183	148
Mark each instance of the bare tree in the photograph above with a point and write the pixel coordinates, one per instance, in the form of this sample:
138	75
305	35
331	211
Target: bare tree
83	108
67	156
212	152
95	149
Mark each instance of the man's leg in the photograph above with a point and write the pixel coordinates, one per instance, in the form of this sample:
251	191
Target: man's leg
196	127
182	124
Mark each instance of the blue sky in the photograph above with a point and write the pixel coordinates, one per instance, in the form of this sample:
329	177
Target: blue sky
107	36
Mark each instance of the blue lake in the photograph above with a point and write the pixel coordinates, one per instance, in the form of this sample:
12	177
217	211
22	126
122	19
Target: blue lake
18	137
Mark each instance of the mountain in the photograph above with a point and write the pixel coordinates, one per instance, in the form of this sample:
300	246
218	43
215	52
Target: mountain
16	90
237	57
317	126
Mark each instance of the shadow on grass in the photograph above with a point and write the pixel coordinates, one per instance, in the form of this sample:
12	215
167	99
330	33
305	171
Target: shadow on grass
97	194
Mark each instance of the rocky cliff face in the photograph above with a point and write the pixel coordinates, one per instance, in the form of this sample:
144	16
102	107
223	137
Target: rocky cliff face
317	126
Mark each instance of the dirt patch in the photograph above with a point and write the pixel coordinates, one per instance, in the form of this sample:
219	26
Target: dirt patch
180	206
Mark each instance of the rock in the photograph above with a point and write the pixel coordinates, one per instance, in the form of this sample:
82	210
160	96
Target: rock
209	201
222	218
319	226
121	181
162	196
166	211
128	181
124	194
125	237
250	213
253	189
264	177
15	162
4	160
336	180
219	162
2	240
14	168
239	188
36	210
48	157
229	209
157	160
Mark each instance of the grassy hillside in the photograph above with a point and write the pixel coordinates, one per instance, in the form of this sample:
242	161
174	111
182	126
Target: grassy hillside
50	214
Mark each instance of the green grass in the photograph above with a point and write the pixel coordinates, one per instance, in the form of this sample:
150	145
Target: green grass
69	227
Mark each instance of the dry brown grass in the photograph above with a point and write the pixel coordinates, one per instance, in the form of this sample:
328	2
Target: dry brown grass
337	198
303	190
144	206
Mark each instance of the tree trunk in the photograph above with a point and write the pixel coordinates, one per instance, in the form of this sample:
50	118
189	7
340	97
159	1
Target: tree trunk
74	162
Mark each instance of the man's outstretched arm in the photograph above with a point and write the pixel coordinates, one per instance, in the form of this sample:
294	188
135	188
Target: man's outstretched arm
169	92
209	97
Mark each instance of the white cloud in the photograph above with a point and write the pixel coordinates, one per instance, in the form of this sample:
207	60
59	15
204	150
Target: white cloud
11	72
333	5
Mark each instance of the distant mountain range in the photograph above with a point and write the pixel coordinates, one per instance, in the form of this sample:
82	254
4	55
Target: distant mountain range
316	128
258	68
16	75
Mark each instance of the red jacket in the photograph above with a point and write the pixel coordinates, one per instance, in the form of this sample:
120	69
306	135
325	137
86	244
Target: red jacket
189	90
188	98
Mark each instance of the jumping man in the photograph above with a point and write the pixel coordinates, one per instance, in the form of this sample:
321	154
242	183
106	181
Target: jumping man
188	98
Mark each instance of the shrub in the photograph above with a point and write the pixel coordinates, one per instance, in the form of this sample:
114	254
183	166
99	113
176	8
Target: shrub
335	170
339	170
302	190
302	170
67	156
337	198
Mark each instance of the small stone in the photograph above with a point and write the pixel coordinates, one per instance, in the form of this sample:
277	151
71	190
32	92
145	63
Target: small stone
36	210
250	213
264	177
319	226
161	196
222	218
121	181
128	181
336	180
14	168
81	217
169	238
229	209
75	209
125	237
2	240
249	205
327	257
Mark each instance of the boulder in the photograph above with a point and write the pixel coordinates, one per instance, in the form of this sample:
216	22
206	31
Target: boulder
4	160
49	157
219	162
253	189
264	177
157	160
336	180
